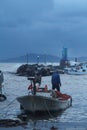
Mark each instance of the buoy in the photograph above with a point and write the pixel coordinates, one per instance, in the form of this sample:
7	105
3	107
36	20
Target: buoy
2	97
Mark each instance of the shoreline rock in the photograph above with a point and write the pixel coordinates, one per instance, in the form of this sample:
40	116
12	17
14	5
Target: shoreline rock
30	70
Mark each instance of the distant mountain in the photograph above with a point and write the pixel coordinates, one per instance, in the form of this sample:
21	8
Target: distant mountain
41	58
33	58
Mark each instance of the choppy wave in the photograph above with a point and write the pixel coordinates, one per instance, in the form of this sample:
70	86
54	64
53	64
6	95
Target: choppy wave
15	86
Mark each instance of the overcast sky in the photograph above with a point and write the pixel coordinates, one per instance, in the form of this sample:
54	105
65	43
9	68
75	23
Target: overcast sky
43	26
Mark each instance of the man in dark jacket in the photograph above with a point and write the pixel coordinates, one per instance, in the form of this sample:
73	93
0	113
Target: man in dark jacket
56	83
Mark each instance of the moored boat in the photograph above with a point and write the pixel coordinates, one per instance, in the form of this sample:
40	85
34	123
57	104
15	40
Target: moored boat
81	69
45	100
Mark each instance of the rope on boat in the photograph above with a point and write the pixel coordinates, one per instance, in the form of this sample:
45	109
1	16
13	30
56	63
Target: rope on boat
5	112
48	110
8	104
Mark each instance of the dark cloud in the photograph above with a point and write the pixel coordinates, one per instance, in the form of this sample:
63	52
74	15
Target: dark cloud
42	26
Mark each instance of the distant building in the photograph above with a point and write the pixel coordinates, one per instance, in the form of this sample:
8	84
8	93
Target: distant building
76	59
64	60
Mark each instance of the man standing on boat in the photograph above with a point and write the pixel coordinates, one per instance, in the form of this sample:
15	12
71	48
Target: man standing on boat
55	80
38	79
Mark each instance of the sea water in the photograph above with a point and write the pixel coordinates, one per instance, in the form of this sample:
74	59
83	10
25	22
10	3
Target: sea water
73	118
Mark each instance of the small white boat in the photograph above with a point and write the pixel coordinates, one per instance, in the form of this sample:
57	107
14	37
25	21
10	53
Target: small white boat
45	101
77	70
37	103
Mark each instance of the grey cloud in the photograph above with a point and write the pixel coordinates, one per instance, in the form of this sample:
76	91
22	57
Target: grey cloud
16	12
42	26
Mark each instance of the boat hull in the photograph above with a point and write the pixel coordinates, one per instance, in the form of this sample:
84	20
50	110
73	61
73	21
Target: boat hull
34	103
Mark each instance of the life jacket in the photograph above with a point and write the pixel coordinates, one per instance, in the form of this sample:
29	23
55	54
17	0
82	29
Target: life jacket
45	89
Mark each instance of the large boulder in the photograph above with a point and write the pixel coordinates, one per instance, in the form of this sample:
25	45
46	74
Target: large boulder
31	70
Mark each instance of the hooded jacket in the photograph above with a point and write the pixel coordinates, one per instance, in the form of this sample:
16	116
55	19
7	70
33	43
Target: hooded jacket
55	79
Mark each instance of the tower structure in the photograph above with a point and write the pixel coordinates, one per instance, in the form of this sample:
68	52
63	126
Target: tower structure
64	60
64	54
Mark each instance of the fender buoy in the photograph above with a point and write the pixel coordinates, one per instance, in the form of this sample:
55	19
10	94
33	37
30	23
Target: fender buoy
30	86
2	97
46	88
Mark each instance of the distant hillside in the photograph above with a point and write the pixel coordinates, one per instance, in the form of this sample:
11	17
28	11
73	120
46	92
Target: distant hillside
32	57
43	58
